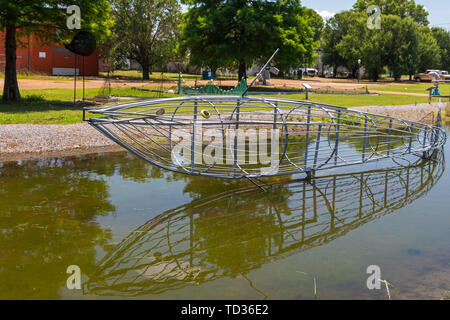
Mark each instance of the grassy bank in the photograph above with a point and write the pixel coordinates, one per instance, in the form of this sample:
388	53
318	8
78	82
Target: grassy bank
55	106
412	88
356	100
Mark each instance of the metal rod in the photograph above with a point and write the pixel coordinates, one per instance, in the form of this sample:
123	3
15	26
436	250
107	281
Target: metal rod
317	147
410	137
336	146
83	79
364	139
236	137
194	133
75	81
260	72
389	137
307	136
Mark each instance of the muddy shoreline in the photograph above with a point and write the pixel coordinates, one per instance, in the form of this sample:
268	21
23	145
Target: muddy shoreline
30	141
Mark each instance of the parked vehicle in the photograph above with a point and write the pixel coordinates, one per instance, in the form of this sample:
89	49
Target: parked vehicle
428	75
312	72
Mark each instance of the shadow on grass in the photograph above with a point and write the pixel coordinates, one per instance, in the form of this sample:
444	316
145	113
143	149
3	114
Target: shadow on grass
39	103
35	109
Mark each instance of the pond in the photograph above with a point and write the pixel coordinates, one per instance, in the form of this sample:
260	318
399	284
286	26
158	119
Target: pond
136	231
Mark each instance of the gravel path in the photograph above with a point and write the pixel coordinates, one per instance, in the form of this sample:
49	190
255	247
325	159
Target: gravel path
21	141
30	140
418	112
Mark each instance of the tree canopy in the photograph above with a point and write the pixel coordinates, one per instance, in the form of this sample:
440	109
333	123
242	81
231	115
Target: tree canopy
146	31
238	33
401	8
46	19
443	41
405	44
341	40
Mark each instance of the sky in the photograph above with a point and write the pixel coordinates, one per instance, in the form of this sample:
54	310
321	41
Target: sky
439	10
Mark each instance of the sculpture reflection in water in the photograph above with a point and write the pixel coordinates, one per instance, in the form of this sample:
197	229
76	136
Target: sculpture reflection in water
237	231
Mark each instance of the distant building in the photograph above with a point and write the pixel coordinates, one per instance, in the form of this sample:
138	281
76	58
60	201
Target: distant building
51	59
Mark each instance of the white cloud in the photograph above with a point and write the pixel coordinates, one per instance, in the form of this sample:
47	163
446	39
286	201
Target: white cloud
326	14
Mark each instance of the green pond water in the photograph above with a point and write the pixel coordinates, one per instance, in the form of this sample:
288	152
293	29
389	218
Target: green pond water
136	231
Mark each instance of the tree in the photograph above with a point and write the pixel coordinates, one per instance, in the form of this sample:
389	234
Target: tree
428	51
240	32
401	42
43	18
297	35
373	54
351	44
341	40
146	31
202	37
401	8
356	42
443	40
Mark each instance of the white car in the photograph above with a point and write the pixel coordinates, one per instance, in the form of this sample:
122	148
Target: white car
312	72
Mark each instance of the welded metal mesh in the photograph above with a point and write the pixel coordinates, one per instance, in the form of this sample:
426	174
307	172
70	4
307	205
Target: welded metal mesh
234	137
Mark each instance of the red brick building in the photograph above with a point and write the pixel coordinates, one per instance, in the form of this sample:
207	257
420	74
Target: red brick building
52	59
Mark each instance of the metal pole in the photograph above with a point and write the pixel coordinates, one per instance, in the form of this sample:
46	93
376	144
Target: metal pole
364	139
194	132
308	121
389	137
260	72
336	146
236	134
83	79
410	137
316	154
75	81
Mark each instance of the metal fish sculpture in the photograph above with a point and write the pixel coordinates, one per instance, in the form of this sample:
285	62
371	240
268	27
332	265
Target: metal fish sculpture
248	137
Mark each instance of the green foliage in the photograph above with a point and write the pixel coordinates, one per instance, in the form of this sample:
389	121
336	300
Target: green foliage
429	51
400	8
373	53
146	31
401	44
443	41
350	46
334	31
47	18
297	35
239	33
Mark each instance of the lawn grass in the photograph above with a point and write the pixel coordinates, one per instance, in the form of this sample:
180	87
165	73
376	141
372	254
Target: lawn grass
55	106
343	100
37	110
66	95
38	76
413	88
